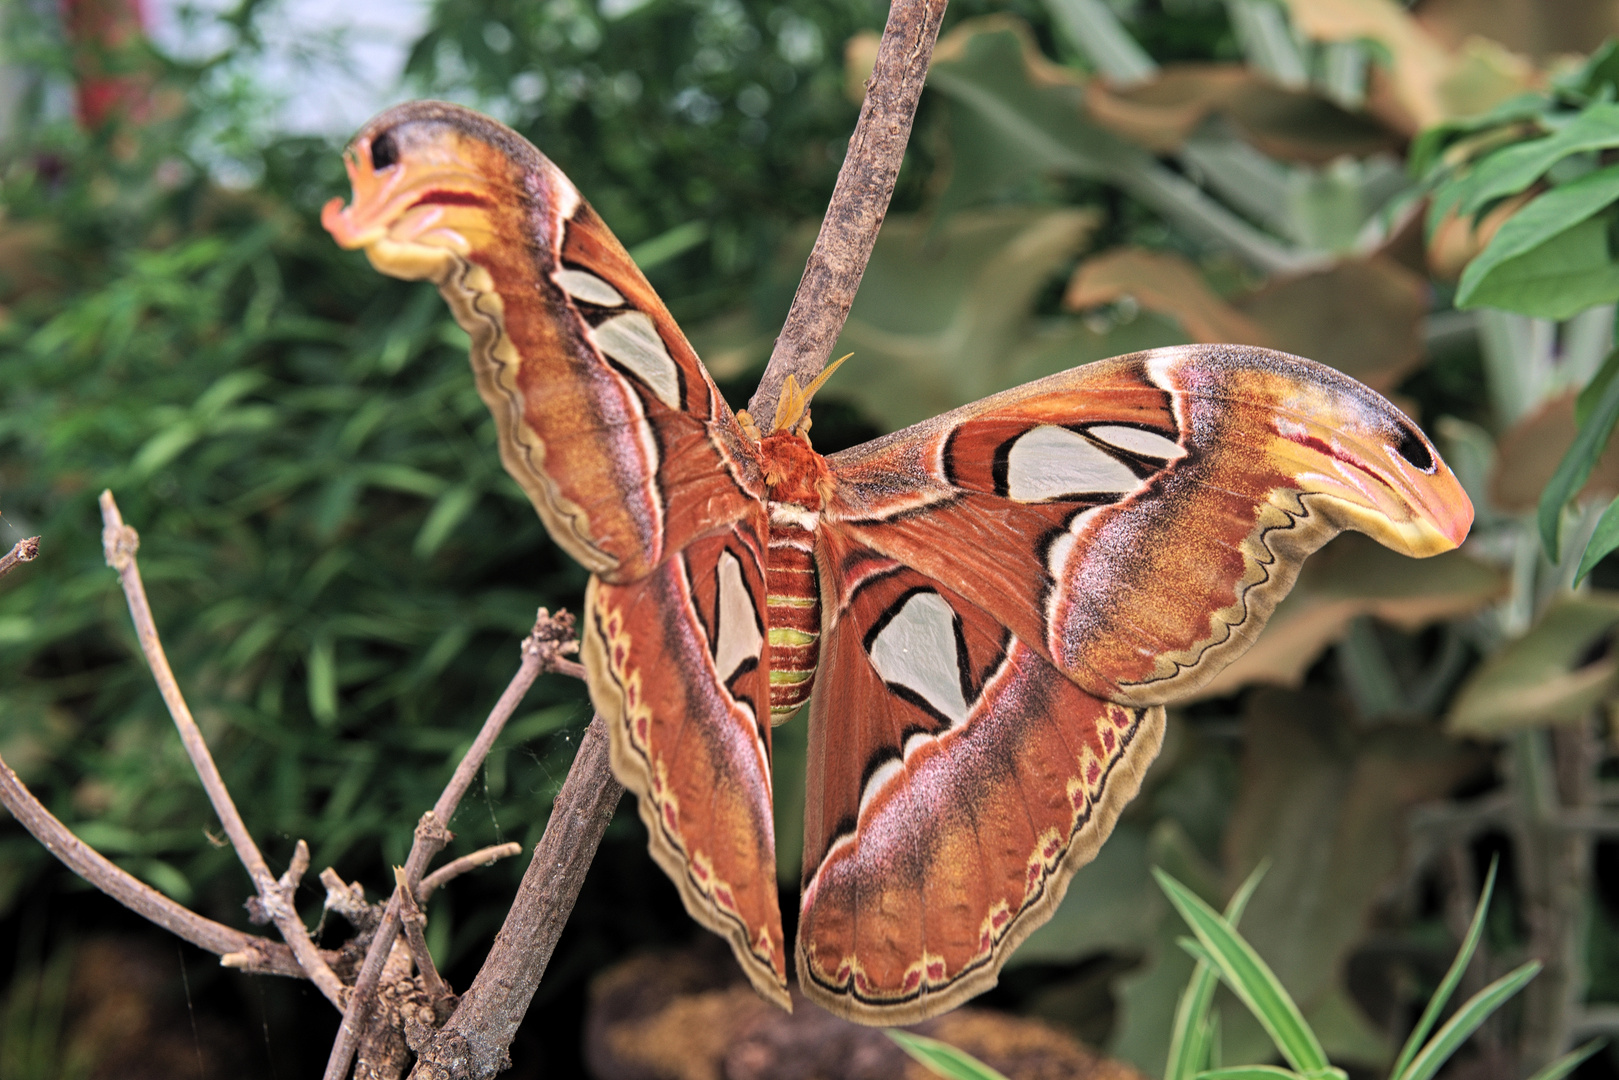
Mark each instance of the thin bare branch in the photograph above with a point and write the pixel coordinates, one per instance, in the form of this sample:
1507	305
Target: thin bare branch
120	543
237	949
859	202
474	1042
481	857
412	920
542	650
22	551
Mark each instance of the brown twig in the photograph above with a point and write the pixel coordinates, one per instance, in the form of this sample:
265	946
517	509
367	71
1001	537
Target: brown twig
859	202
120	542
24	550
237	949
481	857
473	1043
542	650
412	920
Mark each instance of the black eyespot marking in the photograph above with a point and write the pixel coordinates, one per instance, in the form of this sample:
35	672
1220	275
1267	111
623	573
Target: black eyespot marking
1414	450
384	151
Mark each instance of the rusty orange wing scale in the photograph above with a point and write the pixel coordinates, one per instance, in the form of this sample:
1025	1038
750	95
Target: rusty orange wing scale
986	612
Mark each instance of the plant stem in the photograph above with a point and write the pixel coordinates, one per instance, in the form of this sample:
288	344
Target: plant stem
454	869
247	952
120	542
859	202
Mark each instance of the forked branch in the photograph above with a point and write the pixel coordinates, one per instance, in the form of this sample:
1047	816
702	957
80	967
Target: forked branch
120	542
235	948
543	650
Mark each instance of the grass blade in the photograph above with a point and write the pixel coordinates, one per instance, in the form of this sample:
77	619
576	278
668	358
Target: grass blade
1575	468
1447	986
1603	541
1569	1061
942	1058
1189	1041
1458	1028
1249	977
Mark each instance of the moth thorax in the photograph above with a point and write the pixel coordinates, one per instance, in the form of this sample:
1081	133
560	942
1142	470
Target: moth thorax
794	602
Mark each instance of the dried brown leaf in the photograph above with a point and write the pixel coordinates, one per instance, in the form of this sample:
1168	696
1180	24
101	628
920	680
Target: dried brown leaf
1528	455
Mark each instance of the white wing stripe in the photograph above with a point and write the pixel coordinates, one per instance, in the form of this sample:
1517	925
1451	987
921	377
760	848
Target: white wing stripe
918	650
633	341
1050	462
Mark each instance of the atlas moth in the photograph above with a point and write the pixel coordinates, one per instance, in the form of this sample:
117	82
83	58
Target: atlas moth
985	612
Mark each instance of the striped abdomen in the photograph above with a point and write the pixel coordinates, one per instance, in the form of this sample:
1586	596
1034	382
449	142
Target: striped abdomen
794	601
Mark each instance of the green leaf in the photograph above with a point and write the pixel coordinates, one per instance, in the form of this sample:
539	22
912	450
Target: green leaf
1249	977
1473	1012
1576	466
1603	540
1570	272
1190	1037
1586	403
1548	216
164	447
1447	986
1430	144
942	1058
669	245
1570	1061
166	879
1510	170
1599	73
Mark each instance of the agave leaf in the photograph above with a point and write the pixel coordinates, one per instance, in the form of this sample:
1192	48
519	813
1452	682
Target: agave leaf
942	1058
1189	1040
1453	977
1459	1027
1249	977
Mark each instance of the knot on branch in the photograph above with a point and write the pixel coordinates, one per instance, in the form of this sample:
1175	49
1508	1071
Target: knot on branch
258	911
349	901
553	637
24	550
119	543
431	832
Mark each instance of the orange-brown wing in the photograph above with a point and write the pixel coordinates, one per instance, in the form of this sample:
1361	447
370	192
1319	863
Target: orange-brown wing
1010	593
1136	520
602	406
956	782
636	466
679	669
